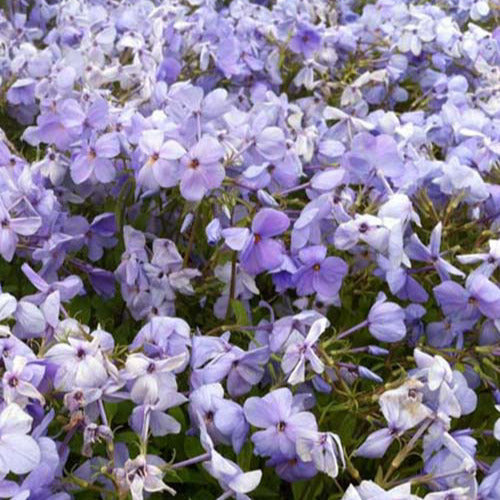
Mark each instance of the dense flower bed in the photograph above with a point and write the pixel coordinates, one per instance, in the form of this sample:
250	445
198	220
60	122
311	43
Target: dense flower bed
249	249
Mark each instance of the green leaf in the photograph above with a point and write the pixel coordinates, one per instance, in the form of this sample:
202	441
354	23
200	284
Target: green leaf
239	312
245	457
192	447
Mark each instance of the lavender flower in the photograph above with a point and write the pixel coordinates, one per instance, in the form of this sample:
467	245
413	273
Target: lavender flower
19	452
319	273
282	420
299	350
259	251
201	168
95	158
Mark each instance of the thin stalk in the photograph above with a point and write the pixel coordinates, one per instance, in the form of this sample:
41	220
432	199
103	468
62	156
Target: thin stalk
225	495
348	332
294	189
191	241
191	461
102	412
403	453
232	285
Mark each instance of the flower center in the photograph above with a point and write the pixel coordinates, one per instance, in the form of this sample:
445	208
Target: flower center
141	471
281	426
363	227
257	238
80	354
151	368
195	163
316	267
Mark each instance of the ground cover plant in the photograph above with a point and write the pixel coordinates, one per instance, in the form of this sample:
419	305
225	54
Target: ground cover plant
249	249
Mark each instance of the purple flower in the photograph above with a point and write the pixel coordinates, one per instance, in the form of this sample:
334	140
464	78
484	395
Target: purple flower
414	323
213	231
214	359
169	70
451	456
319	274
79	363
458	179
67	288
480	296
230	476
201	168
54	251
307	228
203	404
371	153
20	381
400	281
60	126
431	254
386	320
446	390
40	480
19	452
163	337
258	250
8	305
489	489
199	107
367	228
13	227
22	91
299	350
283	421
93	434
283	327
150	377
324	449
152	416
95	158
368	490
443	333
292	469
490	261
306	40
130	270
160	160
230	421
403	409
138	476
97	235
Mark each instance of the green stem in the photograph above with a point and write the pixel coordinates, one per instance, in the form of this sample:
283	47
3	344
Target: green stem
232	285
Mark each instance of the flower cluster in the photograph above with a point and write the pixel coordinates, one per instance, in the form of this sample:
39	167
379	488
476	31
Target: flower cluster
249	247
